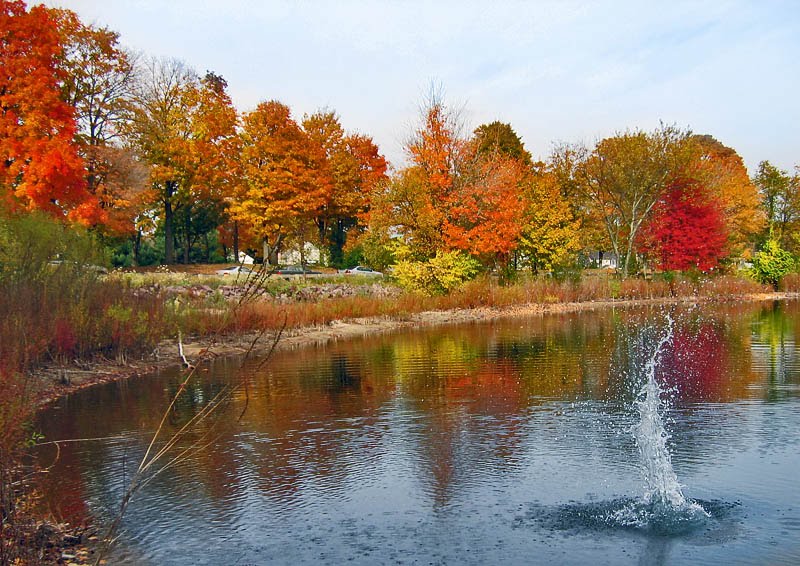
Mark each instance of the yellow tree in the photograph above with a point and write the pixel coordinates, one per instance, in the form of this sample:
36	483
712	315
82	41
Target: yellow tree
285	181
781	202
158	129
722	172
624	176
550	235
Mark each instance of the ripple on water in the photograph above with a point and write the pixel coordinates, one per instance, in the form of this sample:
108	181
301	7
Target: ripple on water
697	519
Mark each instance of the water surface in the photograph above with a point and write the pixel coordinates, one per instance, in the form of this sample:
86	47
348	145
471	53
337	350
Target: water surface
507	442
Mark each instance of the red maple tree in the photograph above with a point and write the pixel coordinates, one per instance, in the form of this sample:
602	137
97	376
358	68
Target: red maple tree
687	229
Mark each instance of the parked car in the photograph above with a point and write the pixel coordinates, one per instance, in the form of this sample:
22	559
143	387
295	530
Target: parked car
296	270
361	270
235	270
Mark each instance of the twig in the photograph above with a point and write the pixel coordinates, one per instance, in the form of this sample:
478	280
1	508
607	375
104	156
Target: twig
148	469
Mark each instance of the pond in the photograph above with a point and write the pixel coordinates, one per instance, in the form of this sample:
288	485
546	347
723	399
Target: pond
530	440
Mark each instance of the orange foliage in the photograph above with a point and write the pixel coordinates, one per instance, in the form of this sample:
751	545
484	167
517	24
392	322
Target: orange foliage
41	168
484	213
285	179
97	82
723	172
353	161
437	149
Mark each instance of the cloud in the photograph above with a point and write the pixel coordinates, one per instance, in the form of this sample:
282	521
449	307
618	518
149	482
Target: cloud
561	70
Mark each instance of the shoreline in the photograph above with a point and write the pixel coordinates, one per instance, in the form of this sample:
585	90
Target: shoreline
52	381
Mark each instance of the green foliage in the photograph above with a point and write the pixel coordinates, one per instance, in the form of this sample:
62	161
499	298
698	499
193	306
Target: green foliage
378	251
352	256
501	137
772	263
33	247
439	275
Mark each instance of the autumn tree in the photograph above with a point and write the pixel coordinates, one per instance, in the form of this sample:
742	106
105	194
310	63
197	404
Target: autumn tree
686	230
285	183
207	159
413	205
550	231
483	211
356	168
403	208
781	201
624	176
723	174
41	168
98	77
159	128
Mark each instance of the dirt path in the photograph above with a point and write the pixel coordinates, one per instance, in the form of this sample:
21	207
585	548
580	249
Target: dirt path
52	382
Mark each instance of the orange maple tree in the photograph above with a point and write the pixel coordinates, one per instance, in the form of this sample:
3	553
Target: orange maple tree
723	173
41	168
483	212
285	180
356	168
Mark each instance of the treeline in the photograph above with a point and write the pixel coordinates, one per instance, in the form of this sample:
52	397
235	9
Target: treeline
159	163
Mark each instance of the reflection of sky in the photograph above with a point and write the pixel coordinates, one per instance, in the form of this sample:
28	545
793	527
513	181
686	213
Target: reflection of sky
555	70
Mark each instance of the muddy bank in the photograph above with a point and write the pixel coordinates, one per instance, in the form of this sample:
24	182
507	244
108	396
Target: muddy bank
52	381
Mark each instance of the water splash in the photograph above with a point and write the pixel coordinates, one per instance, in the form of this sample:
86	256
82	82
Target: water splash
663	506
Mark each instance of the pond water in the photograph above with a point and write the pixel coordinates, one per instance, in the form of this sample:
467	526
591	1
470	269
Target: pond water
521	441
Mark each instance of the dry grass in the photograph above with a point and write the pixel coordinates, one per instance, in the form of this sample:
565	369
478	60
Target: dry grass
200	320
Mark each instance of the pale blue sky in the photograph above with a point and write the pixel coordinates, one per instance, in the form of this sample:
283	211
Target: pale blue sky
557	71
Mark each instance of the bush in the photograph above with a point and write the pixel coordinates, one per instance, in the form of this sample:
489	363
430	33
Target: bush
771	264
440	275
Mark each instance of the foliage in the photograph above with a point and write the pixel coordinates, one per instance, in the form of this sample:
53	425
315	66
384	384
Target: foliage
498	137
373	249
97	82
723	176
483	211
356	168
439	275
159	126
41	168
772	263
623	178
686	230
285	182
781	201
550	235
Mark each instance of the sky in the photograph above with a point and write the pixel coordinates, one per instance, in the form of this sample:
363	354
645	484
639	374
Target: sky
557	71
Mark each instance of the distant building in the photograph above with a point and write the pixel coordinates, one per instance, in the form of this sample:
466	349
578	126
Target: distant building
311	254
603	260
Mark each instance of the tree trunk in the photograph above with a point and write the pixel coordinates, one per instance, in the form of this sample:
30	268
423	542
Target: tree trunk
271	251
187	223
137	246
236	241
169	240
169	235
